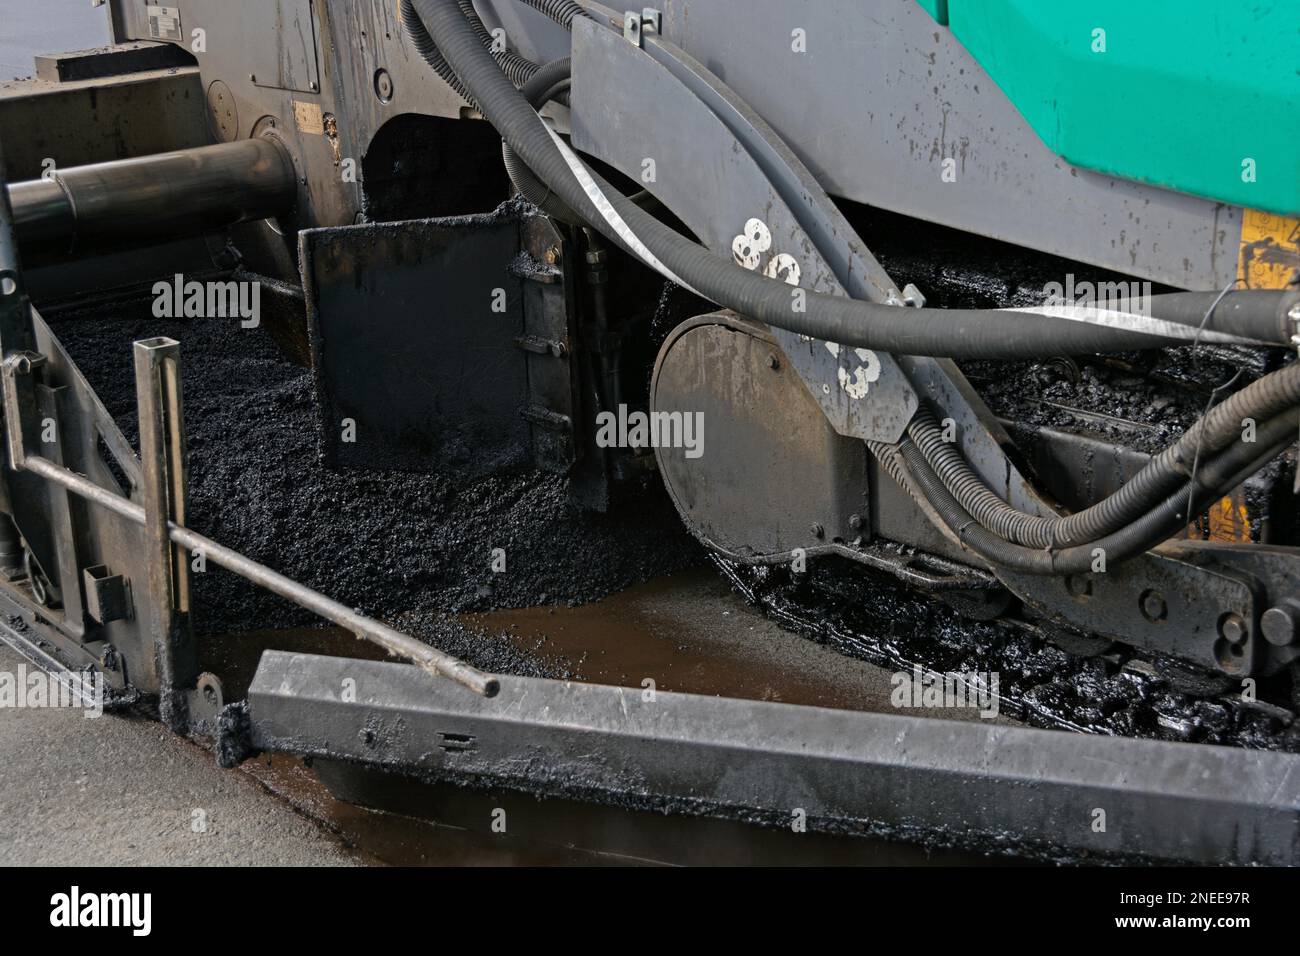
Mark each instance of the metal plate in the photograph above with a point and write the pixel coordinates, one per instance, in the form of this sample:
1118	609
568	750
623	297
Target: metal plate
407	343
770	466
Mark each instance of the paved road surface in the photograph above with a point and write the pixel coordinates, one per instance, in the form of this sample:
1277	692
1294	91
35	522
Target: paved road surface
122	791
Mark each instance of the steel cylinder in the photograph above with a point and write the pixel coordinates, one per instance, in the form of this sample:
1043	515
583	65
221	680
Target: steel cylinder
165	195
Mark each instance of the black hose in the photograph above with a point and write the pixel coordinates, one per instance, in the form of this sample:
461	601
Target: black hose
1260	401
561	11
427	49
1227	470
518	68
540	89
957	333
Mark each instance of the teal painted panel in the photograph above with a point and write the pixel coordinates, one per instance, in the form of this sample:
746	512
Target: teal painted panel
1201	96
936	8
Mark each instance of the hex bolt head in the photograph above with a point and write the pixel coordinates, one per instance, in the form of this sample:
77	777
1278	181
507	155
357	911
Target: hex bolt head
855	521
1232	628
773	362
1279	625
817	530
1153	605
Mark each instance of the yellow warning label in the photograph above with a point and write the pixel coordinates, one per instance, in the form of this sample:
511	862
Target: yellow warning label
1229	520
308	117
1270	249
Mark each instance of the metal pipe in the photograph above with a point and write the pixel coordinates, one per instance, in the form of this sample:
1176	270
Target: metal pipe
185	192
430	659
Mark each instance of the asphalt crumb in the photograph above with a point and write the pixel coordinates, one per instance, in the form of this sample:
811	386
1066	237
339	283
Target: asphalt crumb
406	548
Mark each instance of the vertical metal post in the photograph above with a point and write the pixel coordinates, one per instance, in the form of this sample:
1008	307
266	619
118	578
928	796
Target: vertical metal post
162	460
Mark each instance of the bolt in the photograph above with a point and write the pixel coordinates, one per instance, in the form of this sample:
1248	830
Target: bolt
1079	585
383	86
1153	605
1232	628
252	78
817	530
1294	313
855	521
773	362
1279	625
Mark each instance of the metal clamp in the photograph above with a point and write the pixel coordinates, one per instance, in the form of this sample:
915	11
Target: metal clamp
636	26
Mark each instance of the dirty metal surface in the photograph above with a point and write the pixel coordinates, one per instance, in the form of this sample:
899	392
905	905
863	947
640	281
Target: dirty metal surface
883	96
413	327
880	773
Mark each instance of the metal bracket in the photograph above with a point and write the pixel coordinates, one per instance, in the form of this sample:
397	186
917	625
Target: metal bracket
636	26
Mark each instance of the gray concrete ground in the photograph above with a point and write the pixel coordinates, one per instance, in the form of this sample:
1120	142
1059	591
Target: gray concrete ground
124	792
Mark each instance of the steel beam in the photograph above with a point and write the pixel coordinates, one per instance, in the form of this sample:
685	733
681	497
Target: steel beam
972	783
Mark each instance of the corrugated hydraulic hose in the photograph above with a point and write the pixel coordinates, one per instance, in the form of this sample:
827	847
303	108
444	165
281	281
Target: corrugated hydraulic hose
1260	401
185	192
1227	470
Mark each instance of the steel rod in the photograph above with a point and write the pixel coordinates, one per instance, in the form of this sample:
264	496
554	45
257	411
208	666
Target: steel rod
430	659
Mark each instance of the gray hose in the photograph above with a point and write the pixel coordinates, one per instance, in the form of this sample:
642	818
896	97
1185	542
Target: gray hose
957	333
541	88
1159	524
561	11
1261	401
518	68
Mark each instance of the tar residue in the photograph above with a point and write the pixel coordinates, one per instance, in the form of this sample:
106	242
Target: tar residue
866	615
404	547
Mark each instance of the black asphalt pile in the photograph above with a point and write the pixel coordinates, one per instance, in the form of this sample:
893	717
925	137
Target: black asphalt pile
403	547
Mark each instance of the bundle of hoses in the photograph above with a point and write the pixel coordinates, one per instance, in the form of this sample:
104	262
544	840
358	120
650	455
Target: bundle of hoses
1208	460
